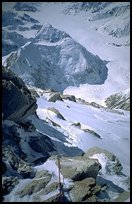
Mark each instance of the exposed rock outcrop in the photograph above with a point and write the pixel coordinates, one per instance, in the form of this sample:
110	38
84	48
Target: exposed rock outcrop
69	97
85	190
119	100
123	197
8	184
54	97
115	163
58	114
78	168
17	101
34	186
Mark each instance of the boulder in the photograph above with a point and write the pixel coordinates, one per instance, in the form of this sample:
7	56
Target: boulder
69	97
34	186
85	190
17	101
78	168
41	174
115	163
47	190
54	97
58	114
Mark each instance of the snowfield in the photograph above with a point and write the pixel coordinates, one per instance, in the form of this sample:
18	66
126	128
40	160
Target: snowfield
114	128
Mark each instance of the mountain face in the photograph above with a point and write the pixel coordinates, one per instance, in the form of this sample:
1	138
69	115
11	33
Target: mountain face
119	100
11	41
11	24
26	6
85	6
54	60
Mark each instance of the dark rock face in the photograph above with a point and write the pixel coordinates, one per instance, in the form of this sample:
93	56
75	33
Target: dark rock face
17	101
40	144
17	160
8	184
4	168
69	97
15	137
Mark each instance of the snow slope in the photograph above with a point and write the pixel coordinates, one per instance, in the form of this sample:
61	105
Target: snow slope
113	127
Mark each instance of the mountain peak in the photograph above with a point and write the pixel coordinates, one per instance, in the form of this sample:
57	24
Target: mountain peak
48	33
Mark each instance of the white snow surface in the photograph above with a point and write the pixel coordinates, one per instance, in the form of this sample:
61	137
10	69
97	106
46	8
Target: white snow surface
114	128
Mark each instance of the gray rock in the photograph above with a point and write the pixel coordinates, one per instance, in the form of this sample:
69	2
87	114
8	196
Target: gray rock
16	163
119	101
122	197
69	97
78	168
17	101
85	190
117	167
96	105
34	186
57	113
8	183
25	170
54	97
48	189
9	155
40	174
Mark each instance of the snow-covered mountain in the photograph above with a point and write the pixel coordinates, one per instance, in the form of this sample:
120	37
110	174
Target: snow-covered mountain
119	100
26	6
86	24
66	146
11	41
111	12
54	60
